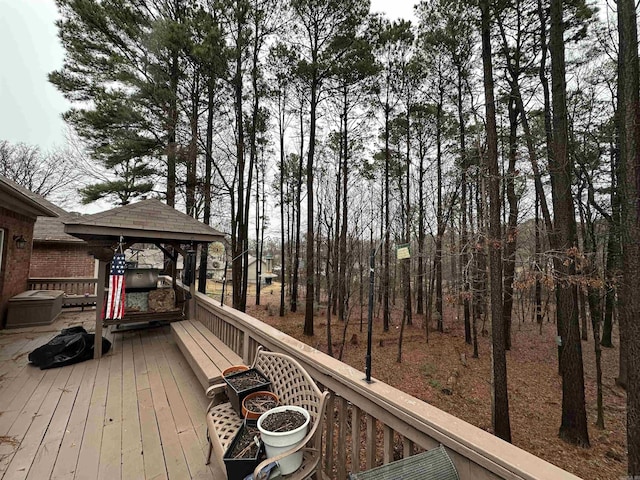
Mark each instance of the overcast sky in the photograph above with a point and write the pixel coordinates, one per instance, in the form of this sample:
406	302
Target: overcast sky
30	107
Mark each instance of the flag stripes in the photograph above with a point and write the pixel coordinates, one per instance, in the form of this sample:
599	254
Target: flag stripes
114	308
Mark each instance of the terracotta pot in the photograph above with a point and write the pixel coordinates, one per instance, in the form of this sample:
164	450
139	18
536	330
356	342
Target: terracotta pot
250	415
234	369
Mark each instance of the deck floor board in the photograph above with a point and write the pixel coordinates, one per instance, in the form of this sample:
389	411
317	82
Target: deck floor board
132	454
47	453
138	412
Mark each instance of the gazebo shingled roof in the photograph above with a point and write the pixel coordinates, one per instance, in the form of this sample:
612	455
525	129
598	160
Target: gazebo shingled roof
146	221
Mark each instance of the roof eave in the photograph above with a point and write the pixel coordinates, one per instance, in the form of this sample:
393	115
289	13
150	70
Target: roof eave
17	201
88	232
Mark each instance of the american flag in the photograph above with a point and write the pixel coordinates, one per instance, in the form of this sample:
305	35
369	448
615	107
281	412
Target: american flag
114	309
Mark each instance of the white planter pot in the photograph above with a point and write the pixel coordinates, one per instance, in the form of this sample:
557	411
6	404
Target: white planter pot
279	442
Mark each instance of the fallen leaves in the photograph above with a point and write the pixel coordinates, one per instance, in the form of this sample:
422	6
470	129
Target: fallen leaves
534	385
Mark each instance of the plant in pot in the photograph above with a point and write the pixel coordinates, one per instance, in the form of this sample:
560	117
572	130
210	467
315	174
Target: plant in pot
244	453
281	429
257	403
241	384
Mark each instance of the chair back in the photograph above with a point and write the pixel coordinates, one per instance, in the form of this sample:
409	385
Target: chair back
291	382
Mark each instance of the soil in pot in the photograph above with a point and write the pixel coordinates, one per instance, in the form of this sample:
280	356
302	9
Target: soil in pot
284	421
245	446
243	455
243	381
257	403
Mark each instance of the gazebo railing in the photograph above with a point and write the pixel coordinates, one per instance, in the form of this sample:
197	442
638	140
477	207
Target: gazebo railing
373	424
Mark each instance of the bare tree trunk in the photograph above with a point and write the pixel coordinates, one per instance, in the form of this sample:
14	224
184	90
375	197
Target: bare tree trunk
595	307
511	236
440	227
335	299
318	255
477	263
464	236
629	134
421	237
582	306
342	281
573	428
330	290
283	263
406	277
480	262
612	269
298	214
310	266
260	221
500	398
202	279
172	125
239	222
192	154
536	267
614	254
386	310
430	292
595	323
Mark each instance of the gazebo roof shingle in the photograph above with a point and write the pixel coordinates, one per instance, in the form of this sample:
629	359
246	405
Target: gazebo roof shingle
147	220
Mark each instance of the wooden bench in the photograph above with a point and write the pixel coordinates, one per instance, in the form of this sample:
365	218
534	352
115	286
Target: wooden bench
206	353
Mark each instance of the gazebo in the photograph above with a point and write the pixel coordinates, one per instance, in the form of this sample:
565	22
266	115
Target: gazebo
147	221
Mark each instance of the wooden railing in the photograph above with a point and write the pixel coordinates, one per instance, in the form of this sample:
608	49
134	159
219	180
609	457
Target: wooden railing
70	285
372	424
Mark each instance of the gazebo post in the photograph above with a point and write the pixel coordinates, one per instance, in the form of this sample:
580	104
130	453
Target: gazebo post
102	276
189	257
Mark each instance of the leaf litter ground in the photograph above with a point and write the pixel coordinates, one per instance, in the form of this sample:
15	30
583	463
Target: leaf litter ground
535	388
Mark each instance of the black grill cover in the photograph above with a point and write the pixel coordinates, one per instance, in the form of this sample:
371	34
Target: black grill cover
72	345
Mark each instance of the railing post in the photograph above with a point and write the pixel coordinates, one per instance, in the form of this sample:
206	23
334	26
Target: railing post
355	439
246	338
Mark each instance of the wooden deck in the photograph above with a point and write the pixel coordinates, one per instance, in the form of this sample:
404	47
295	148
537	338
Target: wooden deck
138	412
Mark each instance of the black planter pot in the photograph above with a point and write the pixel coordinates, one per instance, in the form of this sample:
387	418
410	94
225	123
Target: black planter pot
239	468
236	395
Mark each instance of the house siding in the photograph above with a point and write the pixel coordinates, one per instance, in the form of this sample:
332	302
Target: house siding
14	271
61	260
252	275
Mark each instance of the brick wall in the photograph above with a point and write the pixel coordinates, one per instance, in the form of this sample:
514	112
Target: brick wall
61	260
14	271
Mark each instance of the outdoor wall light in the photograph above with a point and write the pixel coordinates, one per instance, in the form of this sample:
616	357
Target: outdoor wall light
20	241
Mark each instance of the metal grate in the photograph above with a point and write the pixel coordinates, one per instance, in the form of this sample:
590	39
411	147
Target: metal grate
434	464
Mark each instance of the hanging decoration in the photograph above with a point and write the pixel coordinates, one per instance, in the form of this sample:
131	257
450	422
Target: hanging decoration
114	308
